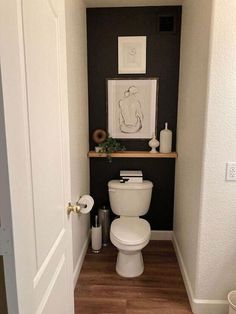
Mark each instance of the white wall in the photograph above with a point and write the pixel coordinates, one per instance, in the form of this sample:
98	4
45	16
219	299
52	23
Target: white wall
217	242
78	119
190	130
205	205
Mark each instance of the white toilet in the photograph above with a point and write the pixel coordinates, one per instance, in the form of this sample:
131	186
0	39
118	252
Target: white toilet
129	233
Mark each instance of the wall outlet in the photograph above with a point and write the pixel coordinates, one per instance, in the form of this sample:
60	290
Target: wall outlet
231	171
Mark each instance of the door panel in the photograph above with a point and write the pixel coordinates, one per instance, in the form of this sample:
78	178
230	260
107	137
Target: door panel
44	39
37	133
48	304
42	51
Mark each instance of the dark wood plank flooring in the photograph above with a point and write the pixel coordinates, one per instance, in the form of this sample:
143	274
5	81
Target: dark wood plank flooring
159	289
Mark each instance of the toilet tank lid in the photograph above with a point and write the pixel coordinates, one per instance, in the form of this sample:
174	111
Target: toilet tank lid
116	184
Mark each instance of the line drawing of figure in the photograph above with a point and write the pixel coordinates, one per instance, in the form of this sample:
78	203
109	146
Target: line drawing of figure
132	54
131	116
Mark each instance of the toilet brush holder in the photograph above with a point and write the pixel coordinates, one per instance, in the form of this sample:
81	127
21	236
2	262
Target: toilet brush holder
96	235
96	239
104	220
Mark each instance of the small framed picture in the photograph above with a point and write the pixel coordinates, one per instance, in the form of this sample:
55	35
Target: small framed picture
132	55
132	107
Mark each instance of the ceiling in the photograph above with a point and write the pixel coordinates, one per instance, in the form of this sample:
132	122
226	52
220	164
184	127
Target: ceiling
129	3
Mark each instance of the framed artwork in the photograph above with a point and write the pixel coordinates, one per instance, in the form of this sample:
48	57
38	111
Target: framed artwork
132	107
132	55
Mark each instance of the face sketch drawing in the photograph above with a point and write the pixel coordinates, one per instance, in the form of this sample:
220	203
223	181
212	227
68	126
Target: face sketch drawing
132	55
131	116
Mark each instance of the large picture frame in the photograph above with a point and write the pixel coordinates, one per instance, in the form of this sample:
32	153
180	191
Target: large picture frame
132	107
132	54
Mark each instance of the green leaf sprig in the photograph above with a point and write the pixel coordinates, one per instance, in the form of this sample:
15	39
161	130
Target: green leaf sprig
109	146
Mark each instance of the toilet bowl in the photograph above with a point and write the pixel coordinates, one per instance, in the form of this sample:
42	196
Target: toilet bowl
130	233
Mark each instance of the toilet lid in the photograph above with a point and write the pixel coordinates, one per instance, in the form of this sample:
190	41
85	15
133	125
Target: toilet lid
130	230
116	184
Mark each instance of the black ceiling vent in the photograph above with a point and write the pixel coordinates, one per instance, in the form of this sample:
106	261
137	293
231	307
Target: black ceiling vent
166	24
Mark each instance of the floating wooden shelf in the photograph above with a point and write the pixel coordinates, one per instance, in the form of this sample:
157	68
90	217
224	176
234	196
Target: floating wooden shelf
133	154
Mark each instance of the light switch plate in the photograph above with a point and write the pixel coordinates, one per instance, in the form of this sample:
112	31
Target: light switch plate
231	171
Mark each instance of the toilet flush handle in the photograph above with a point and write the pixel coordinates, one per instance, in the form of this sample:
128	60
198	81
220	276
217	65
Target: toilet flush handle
111	190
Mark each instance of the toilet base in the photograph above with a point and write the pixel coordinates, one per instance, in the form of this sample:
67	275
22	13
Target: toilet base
129	263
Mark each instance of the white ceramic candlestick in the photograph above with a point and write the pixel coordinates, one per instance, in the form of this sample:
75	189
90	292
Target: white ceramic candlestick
153	143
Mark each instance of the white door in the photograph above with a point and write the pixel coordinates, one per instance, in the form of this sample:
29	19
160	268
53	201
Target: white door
34	81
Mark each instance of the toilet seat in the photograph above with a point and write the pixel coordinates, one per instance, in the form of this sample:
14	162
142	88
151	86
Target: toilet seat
130	230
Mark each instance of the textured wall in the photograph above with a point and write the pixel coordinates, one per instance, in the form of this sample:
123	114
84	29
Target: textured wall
217	241
205	204
191	120
78	118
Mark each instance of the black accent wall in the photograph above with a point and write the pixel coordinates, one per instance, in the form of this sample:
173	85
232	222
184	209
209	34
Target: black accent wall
104	25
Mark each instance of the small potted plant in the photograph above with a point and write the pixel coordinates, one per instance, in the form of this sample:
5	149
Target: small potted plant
109	146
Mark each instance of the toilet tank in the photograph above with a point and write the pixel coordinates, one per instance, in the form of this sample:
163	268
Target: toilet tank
130	199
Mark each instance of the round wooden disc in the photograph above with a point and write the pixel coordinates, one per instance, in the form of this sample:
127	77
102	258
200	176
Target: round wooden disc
99	136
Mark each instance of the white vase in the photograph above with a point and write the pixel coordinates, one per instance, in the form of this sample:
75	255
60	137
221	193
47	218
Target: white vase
166	140
153	143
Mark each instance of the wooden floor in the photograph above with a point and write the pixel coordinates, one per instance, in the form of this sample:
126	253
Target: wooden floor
159	289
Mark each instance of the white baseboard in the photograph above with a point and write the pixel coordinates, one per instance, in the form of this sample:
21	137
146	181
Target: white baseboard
199	306
165	235
80	260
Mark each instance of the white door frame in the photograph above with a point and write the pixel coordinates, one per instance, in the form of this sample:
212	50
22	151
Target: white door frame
6	237
14	98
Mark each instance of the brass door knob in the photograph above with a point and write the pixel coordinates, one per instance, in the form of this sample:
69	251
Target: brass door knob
73	208
77	207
